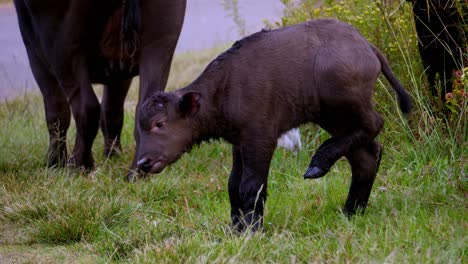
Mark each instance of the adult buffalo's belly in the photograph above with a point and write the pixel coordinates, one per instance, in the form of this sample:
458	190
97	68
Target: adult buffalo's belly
103	70
110	59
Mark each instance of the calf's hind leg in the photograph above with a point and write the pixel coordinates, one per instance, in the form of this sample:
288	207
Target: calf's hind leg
348	133
365	162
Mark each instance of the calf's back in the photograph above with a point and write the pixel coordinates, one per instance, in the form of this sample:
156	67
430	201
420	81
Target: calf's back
285	77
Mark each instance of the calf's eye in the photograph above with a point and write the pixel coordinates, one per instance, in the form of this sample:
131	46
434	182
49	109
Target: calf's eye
157	125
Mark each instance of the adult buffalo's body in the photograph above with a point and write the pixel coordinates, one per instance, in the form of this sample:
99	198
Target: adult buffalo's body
322	71
74	43
441	40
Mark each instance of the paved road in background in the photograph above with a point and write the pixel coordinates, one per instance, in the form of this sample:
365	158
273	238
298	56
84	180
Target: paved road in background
206	24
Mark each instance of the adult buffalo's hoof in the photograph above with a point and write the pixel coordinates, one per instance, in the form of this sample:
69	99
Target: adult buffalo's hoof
57	160
86	168
314	173
81	162
112	152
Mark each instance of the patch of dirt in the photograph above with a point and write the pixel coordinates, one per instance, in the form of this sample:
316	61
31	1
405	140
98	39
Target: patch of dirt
13	234
24	258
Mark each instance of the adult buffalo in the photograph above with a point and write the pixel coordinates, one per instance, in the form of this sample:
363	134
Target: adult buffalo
441	40
74	43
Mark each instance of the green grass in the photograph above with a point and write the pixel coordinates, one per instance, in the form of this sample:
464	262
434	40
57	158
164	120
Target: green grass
417	211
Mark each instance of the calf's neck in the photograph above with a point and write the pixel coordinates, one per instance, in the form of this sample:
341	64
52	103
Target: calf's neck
321	71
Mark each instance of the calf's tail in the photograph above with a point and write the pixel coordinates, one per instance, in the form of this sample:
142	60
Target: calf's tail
403	97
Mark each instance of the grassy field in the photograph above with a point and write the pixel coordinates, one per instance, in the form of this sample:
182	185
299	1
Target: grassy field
417	212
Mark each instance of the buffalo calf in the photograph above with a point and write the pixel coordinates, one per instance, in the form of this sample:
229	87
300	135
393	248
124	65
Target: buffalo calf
322	71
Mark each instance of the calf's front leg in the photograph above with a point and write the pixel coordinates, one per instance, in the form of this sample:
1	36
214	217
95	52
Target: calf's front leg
256	160
233	186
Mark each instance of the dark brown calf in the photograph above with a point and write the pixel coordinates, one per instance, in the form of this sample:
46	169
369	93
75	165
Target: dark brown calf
322	71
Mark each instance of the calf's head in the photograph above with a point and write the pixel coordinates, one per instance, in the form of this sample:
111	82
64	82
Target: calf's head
166	129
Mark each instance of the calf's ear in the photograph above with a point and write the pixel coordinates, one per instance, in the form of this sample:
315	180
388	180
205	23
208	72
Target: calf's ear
189	103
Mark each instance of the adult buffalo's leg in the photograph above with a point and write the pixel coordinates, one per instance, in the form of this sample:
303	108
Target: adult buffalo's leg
256	158
112	115
431	69
86	112
431	78
360	128
449	66
57	110
56	106
365	162
61	39
85	108
233	186
160	29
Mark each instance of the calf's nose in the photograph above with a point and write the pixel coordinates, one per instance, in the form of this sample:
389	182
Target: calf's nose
144	164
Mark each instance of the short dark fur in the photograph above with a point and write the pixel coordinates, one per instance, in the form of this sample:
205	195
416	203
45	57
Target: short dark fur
74	43
322	71
441	40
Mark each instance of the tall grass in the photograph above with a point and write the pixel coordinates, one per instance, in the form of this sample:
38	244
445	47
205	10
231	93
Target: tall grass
417	211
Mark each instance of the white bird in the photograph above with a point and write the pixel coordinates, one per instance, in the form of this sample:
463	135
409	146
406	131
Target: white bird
291	140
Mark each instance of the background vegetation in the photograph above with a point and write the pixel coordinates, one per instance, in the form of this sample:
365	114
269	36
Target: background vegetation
417	212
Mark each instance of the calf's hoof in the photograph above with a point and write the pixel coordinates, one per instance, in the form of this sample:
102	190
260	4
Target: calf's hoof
350	213
314	173
132	176
237	224
350	210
